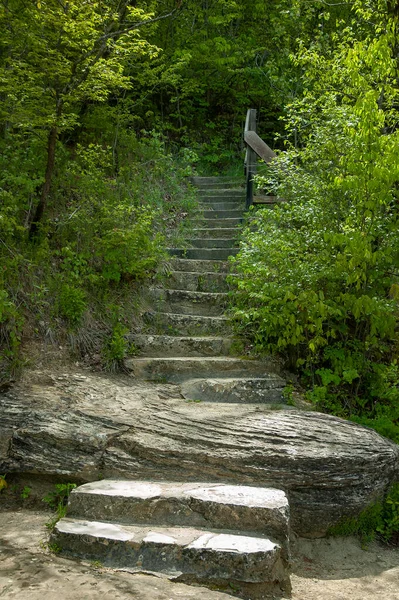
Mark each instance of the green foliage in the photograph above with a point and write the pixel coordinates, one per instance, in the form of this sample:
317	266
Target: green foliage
60	494
26	492
72	304
11	324
3	483
380	519
316	273
117	202
117	348
58	500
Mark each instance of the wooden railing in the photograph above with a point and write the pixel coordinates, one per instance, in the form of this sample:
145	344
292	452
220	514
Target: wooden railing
255	147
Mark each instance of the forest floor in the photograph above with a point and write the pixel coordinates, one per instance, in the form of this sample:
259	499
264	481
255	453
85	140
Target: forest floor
323	569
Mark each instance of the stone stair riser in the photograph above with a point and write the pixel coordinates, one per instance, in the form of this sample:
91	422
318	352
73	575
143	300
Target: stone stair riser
184	325
230	233
203	557
188	303
212	242
221	206
177	370
262	511
200	181
163	345
220	223
221	193
222	214
200	266
198	282
203	253
205	201
268	390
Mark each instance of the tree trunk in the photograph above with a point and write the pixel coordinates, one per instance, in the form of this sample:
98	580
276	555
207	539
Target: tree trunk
51	146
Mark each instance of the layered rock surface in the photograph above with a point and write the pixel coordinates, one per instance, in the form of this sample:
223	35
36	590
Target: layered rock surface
85	427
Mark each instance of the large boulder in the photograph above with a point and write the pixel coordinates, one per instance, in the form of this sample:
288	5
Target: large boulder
86	427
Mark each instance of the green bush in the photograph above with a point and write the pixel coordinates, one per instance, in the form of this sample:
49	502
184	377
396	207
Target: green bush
316	274
11	324
72	304
380	519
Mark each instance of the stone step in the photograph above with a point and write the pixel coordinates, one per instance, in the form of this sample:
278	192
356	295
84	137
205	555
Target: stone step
229	200
216	206
229	232
187	302
217	223
244	390
201	266
259	510
223	214
179	369
182	325
197	282
212	242
187	554
167	345
217	180
221	193
203	253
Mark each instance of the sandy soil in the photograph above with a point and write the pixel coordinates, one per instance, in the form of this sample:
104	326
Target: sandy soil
328	569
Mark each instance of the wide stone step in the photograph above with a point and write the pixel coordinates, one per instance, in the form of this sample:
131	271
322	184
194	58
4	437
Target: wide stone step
182	325
186	302
178	369
223	214
203	253
188	554
227	200
201	266
221	193
212	242
230	232
212	505
265	390
167	345
216	206
217	181
197	282
220	223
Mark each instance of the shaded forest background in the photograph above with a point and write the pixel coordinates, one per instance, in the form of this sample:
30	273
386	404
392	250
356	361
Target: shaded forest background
107	107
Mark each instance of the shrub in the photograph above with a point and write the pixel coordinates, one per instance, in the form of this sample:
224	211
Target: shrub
315	274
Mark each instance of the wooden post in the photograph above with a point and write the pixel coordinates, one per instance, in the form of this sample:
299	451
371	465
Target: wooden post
250	156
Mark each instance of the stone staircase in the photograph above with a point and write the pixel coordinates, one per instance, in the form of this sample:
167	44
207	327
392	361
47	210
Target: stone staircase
190	339
231	537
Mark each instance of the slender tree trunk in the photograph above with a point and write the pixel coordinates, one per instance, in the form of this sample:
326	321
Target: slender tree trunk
45	191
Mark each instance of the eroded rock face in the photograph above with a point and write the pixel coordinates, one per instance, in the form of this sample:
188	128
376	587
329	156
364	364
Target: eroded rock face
86	427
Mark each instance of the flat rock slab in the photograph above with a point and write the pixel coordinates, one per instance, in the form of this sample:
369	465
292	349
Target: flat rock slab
215	506
83	426
197	555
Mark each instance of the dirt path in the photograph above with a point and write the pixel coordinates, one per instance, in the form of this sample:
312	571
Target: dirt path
329	569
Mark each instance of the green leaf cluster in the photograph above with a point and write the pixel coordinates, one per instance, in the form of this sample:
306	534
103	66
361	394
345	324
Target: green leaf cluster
317	274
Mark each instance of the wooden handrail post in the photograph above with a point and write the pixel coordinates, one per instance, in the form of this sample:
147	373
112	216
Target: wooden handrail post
255	147
250	157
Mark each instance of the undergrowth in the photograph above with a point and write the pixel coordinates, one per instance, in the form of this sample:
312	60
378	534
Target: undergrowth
380	520
116	205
